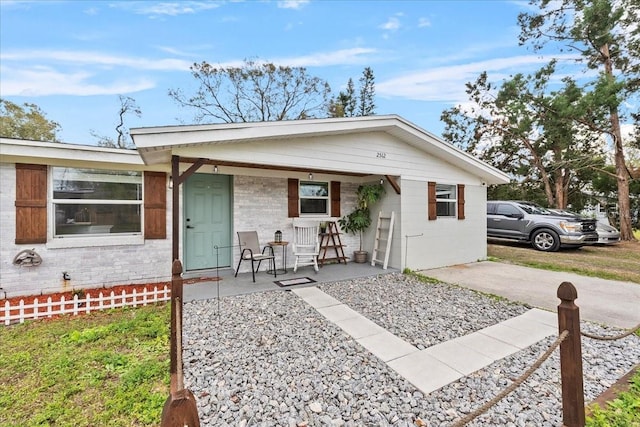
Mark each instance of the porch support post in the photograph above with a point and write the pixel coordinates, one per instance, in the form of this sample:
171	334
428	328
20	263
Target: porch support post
176	270
178	180
175	208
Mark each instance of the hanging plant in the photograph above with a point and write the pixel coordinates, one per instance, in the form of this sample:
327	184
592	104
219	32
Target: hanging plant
359	219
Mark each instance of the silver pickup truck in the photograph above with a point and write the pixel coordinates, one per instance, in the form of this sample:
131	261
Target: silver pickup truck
545	230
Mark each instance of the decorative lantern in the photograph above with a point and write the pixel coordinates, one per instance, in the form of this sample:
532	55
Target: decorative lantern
278	236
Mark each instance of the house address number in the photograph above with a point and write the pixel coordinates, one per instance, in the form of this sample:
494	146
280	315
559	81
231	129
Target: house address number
381	155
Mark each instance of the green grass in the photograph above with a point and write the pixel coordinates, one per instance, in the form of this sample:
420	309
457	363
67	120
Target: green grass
614	262
624	411
108	368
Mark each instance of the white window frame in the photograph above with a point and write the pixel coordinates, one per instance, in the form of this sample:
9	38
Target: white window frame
327	198
93	239
452	188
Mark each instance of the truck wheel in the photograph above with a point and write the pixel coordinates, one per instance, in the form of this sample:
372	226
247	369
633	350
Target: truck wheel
545	240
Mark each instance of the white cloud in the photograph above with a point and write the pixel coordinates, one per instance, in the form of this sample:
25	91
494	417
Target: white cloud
447	83
40	73
95	58
392	24
17	4
43	81
66	72
424	22
356	55
165	8
292	4
194	51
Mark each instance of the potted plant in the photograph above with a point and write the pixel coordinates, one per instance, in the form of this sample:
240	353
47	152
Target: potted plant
360	218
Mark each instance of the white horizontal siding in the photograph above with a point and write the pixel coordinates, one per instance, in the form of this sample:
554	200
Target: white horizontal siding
353	153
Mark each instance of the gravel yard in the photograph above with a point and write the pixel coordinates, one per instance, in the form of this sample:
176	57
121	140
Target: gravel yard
269	359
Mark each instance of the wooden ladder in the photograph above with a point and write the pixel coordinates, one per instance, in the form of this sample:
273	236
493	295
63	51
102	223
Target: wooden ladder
384	232
331	240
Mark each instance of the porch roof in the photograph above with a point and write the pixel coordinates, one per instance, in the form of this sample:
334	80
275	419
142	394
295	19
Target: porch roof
156	145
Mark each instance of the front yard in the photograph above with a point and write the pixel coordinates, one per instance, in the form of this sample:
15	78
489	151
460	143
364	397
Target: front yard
105	368
111	368
615	262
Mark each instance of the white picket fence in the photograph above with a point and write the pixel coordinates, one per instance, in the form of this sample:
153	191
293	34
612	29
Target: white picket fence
43	309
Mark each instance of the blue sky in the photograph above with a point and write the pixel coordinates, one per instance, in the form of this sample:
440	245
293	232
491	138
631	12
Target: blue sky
73	58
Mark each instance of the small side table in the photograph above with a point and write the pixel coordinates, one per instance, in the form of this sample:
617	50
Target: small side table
284	255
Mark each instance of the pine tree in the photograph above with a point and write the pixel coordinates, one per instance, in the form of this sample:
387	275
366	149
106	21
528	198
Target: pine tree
367	106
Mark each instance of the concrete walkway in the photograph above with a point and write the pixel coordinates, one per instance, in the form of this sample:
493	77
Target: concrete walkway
441	364
610	302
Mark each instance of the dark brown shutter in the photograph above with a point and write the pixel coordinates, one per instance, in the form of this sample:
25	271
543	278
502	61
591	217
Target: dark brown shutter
431	198
293	197
155	205
335	198
31	204
460	201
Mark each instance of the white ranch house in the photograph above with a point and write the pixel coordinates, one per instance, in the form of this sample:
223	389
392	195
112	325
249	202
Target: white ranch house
104	216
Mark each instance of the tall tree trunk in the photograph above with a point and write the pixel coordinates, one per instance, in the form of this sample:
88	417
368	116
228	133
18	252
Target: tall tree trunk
622	174
559	186
539	165
560	179
548	189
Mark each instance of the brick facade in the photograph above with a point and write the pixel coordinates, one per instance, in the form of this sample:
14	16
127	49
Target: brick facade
88	267
259	204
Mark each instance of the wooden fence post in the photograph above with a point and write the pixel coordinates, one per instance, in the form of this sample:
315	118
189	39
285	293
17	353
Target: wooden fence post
573	414
176	298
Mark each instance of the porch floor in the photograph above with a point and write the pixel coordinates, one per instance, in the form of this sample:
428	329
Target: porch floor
243	284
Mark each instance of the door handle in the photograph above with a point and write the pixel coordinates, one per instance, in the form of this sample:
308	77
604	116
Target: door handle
190	226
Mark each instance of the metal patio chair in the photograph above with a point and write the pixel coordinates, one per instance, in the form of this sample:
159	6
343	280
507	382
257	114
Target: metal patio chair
250	251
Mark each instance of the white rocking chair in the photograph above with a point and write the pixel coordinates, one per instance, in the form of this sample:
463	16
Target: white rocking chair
306	245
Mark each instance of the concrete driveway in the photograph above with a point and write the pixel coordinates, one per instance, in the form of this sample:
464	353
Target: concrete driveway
609	302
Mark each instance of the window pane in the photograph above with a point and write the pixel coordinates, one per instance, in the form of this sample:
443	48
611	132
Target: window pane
506	210
317	206
314	189
97	219
95	184
445	191
445	208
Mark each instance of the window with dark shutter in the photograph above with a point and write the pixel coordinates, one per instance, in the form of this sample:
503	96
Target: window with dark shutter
432	203
335	199
293	198
155	205
460	201
31	204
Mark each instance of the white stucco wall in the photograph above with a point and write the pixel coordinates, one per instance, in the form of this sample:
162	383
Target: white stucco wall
390	202
89	266
444	241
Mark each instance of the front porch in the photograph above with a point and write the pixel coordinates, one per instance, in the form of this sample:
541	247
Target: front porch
243	284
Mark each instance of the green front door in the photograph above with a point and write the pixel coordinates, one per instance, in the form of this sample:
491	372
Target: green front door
207	221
